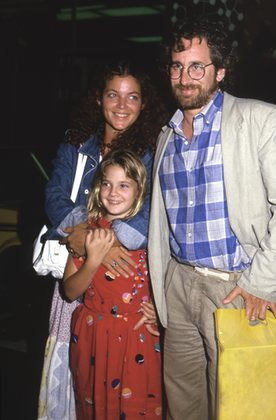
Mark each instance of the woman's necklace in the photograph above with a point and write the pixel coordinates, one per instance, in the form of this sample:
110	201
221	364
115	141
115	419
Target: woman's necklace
106	147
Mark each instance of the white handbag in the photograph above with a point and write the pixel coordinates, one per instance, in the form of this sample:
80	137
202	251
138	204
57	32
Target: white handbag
49	257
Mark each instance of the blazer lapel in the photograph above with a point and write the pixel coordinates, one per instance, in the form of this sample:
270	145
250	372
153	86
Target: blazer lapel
234	156
161	146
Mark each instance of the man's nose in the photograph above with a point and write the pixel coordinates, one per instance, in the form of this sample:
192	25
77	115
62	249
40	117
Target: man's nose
184	76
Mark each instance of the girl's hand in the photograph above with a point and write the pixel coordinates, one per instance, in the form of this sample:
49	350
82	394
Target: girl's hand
98	242
148	309
148	318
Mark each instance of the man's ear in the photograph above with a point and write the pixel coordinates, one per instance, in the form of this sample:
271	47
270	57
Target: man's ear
220	74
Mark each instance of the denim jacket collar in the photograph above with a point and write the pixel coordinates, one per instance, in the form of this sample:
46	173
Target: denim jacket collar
91	147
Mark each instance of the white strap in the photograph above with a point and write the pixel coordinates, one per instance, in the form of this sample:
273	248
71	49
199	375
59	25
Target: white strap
78	175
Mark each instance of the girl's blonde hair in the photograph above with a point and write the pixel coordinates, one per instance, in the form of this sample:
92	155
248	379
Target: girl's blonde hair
134	169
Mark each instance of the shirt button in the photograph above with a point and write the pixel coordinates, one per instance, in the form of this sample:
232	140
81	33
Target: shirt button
191	202
186	142
189	235
86	191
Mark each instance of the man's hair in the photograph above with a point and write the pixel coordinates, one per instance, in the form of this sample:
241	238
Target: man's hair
220	42
134	169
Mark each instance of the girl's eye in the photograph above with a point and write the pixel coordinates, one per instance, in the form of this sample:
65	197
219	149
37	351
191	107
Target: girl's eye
105	184
124	186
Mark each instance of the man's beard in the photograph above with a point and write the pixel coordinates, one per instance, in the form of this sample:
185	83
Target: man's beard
194	102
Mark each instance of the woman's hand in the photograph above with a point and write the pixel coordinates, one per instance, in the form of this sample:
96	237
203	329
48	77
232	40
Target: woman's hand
118	261
75	240
148	319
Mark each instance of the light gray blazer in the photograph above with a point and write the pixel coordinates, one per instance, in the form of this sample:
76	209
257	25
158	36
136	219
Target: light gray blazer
248	137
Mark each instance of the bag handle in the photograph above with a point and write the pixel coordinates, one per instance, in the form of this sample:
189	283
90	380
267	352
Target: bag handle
78	175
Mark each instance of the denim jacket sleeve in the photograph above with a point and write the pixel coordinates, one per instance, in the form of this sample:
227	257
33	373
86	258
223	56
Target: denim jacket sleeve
63	212
60	209
133	234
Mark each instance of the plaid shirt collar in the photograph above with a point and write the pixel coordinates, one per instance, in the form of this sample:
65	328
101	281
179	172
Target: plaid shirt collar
205	116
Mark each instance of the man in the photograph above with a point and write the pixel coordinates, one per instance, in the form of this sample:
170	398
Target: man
212	239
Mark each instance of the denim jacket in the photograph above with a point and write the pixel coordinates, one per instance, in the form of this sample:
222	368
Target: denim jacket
63	212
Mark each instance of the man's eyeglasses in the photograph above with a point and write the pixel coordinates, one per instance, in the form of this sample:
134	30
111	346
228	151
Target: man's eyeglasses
196	71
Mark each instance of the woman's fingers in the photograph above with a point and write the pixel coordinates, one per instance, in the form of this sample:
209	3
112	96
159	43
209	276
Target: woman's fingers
118	261
76	238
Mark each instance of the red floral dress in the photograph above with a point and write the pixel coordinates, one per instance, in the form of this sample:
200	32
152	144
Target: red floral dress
116	371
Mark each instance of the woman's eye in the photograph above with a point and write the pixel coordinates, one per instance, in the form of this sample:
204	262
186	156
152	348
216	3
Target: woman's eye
111	95
134	97
105	184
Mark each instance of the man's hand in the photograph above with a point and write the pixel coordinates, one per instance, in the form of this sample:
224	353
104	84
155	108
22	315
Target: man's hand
255	307
76	239
118	261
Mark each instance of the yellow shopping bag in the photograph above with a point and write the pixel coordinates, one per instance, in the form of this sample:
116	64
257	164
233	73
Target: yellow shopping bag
246	366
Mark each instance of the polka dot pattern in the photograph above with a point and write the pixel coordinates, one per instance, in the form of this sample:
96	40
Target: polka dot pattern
139	358
108	357
126	393
109	276
89	320
127	297
115	383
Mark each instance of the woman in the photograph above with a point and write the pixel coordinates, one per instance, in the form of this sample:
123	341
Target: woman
123	111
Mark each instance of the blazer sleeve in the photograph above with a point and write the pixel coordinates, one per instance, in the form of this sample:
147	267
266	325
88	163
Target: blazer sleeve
260	278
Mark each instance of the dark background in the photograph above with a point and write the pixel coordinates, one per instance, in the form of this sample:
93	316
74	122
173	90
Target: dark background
46	61
49	50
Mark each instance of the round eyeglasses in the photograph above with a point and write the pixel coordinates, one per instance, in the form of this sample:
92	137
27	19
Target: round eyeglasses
196	71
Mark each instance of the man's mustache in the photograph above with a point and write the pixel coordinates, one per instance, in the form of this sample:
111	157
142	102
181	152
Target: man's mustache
186	87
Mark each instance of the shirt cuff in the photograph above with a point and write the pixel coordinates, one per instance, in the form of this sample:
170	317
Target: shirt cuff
129	237
76	216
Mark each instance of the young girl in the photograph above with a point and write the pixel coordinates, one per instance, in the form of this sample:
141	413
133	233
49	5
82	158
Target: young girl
115	352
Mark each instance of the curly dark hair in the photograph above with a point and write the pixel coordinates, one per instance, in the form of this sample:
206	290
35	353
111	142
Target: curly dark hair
222	51
141	136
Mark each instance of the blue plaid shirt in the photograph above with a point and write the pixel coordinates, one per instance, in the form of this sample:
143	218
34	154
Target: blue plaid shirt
191	177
